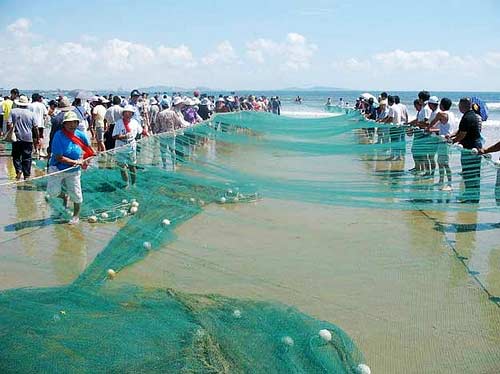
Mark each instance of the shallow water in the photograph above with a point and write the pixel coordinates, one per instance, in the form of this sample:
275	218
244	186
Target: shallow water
411	287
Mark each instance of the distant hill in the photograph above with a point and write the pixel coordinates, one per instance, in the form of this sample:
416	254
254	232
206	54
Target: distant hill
315	88
170	89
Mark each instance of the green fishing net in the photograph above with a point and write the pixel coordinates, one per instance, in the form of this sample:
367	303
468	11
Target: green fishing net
99	320
95	324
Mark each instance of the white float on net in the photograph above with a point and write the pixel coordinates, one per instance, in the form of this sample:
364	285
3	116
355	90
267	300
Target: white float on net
111	274
325	335
363	369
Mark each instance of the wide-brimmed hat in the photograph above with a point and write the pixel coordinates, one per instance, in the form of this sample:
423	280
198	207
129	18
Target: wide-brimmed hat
129	108
433	100
188	101
103	100
177	100
94	99
70	117
64	105
22	101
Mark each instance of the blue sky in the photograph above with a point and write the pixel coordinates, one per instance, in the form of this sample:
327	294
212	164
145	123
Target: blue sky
446	45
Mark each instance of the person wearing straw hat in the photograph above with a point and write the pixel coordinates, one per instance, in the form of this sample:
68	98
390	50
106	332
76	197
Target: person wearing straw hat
70	148
125	132
24	127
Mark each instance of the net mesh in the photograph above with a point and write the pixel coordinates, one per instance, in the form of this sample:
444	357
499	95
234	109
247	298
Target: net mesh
95	324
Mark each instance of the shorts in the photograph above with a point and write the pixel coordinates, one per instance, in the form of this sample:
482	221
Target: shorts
71	180
126	157
443	152
99	134
40	132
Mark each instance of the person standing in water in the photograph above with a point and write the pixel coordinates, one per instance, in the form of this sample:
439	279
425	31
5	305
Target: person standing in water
469	136
125	132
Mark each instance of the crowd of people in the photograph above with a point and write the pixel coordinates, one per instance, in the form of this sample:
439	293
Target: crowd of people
431	152
107	122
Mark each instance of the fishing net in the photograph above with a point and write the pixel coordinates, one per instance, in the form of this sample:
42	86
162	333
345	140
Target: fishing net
96	324
100	319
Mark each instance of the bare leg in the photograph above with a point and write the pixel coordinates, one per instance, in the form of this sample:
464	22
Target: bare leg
133	174
76	209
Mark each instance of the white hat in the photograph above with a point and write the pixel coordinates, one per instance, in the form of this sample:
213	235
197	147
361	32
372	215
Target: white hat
103	100
94	98
129	108
188	101
177	100
22	101
153	101
230	99
205	101
221	100
433	100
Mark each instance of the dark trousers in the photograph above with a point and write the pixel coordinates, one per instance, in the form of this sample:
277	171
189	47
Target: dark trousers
471	173
21	157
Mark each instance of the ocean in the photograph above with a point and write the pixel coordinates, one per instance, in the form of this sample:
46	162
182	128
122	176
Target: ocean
313	104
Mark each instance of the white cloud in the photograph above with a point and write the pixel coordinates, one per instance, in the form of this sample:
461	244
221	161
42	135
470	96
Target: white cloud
224	54
493	59
176	56
294	53
20	28
430	61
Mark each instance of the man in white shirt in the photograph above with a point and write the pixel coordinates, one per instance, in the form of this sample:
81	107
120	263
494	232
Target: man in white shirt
402	108
433	104
113	114
40	112
98	114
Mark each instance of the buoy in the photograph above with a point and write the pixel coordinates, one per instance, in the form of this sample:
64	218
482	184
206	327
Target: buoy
104	215
147	245
134	204
165	222
133	210
363	369
326	335
222	200
111	274
287	341
92	219
124	201
236	313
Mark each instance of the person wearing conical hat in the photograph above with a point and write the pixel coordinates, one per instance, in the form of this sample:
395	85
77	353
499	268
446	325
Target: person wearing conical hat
70	148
